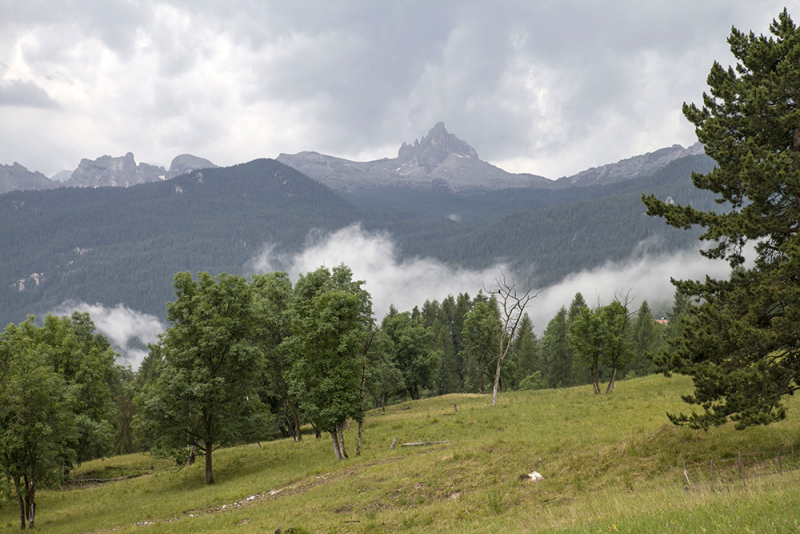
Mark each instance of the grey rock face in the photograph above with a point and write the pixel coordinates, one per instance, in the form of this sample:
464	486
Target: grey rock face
115	172
631	167
15	177
62	176
186	163
438	159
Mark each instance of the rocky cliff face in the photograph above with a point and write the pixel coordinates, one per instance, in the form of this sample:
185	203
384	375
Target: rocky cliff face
438	159
16	176
114	172
186	163
632	167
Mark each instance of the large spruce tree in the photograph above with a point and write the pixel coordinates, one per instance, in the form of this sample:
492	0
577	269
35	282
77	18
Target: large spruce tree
741	343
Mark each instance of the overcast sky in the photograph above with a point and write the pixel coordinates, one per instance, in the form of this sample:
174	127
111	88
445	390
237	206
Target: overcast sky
548	87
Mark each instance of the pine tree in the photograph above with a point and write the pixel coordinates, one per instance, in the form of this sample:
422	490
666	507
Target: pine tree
741	342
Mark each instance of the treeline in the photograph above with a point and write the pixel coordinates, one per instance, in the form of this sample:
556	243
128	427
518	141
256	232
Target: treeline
244	358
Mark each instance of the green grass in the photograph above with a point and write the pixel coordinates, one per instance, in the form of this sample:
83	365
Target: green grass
609	462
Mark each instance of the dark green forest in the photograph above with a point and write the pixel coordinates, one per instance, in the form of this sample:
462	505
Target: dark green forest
122	245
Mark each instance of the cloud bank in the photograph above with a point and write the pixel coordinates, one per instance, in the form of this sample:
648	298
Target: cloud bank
406	283
550	88
127	330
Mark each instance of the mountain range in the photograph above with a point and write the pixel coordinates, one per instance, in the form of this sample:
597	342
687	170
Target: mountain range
113	245
438	159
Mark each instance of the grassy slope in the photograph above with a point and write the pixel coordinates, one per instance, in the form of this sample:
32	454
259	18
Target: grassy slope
609	462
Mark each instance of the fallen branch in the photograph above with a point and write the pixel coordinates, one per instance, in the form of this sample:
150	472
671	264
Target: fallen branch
423	443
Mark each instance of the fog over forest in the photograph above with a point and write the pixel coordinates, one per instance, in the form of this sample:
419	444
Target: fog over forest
406	283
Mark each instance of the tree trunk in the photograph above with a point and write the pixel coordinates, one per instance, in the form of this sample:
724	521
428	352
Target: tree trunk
336	450
209	473
595	381
341	441
191	454
383	401
610	387
483	382
31	504
496	381
298	436
21	502
360	435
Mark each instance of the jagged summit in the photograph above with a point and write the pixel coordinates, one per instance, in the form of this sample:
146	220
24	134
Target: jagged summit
110	171
438	159
17	177
433	149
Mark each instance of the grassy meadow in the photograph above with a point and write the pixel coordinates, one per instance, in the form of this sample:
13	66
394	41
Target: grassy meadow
610	463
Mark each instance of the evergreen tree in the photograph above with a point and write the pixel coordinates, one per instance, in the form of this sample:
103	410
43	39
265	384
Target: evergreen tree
525	353
556	356
741	342
645	340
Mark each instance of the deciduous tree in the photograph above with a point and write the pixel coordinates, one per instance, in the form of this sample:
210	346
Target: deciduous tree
206	392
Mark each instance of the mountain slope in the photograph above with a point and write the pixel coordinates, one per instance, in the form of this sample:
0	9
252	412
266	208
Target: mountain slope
115	245
17	178
438	159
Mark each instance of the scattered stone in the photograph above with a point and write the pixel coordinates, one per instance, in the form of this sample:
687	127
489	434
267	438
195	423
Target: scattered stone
534	477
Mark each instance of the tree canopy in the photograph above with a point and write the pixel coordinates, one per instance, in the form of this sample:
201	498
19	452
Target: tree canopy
741	342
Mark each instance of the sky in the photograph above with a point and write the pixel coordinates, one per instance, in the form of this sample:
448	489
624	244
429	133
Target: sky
546	87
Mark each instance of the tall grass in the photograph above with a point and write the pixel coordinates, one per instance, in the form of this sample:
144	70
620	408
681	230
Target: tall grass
609	462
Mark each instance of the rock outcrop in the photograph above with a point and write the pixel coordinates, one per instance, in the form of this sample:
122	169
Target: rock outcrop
15	177
186	163
115	172
632	167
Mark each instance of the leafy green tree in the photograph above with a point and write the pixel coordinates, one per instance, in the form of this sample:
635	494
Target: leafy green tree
413	350
272	294
55	402
87	362
36	415
384	377
741	343
331	320
206	393
481	334
618	353
587	335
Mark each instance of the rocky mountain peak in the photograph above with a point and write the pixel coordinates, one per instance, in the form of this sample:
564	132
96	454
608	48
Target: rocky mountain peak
186	163
114	171
434	148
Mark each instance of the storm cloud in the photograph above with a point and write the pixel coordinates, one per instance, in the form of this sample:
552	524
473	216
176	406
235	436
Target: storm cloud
550	88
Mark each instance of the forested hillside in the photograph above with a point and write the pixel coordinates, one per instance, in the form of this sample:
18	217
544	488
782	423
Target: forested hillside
114	245
123	245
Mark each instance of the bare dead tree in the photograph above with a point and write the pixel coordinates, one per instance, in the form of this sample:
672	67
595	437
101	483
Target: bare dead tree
512	304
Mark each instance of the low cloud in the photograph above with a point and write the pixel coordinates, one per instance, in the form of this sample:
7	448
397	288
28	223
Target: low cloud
127	330
374	258
406	283
645	277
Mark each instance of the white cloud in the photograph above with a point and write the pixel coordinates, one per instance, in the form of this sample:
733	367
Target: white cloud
374	258
127	330
408	283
